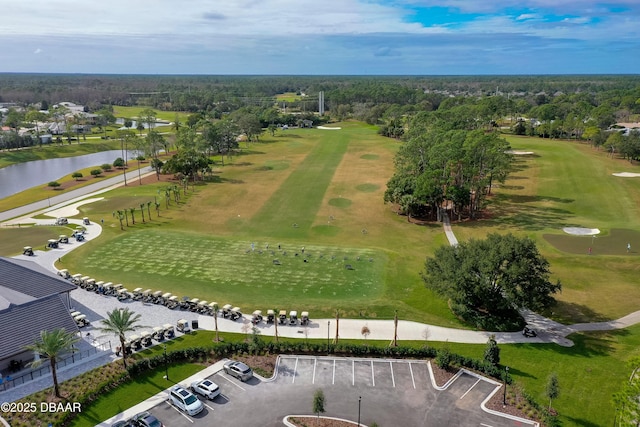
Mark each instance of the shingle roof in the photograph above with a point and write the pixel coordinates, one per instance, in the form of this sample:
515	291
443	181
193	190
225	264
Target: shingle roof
29	278
20	325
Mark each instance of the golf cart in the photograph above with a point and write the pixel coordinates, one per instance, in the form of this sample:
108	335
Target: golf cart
202	307
81	320
146	295
172	302
135	342
282	317
64	273
86	221
529	333
158	333
304	318
78	236
155	297
226	310
145	338
235	313
164	298
52	243
90	284
27	250
271	316
185	303
169	332
75	279
83	281
137	294
124	294
99	288
256	317
184	326
62	221
63	238
293	317
193	304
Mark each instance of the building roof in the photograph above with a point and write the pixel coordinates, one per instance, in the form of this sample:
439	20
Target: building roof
20	325
29	278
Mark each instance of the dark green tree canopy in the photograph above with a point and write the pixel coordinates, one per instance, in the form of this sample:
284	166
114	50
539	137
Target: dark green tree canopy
488	280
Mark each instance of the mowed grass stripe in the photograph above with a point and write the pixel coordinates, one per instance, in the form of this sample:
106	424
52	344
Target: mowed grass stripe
298	199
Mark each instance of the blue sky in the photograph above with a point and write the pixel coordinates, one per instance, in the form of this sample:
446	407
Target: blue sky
415	37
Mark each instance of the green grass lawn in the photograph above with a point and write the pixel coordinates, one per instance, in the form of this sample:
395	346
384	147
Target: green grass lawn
132	393
13	239
134	112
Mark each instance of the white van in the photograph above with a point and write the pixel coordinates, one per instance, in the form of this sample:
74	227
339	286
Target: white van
185	400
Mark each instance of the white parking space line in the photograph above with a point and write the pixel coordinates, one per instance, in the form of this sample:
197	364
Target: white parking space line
393	380
413	381
373	376
223	396
485	425
208	406
180	412
353	372
227	379
333	378
470	388
313	380
295	369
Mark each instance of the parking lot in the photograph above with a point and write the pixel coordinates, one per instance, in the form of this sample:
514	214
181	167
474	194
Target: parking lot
393	392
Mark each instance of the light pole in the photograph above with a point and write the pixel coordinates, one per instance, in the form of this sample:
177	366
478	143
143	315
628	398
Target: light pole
504	396
166	366
359	402
328	335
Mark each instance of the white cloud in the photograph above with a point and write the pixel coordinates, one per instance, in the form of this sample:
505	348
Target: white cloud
37	51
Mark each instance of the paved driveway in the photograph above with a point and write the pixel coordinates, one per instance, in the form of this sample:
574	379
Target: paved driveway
393	392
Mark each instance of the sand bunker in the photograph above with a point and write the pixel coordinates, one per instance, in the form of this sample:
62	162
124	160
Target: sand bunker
329	128
627	174
70	210
519	152
579	231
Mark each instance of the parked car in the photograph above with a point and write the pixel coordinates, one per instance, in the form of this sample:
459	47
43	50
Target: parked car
206	388
238	370
185	400
145	419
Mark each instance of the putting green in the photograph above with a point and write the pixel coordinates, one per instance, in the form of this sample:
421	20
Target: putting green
614	243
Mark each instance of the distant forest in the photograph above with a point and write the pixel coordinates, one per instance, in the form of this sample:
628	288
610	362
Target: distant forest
356	94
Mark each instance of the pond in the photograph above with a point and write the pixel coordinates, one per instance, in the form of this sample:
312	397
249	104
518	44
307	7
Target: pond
19	177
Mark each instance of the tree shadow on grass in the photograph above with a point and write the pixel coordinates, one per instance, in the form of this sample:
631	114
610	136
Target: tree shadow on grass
569	312
517	211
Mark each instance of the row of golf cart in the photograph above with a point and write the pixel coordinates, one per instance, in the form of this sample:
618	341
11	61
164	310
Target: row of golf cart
172	302
146	338
292	319
100	287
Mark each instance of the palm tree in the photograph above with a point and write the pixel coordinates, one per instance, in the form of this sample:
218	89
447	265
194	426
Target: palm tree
52	345
275	322
215	319
132	211
118	322
142	211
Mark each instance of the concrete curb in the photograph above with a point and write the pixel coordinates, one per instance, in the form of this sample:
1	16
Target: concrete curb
286	422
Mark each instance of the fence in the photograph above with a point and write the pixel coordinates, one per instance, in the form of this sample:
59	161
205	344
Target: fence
10	381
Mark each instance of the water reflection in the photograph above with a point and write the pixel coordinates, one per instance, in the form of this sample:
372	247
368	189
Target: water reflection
17	178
